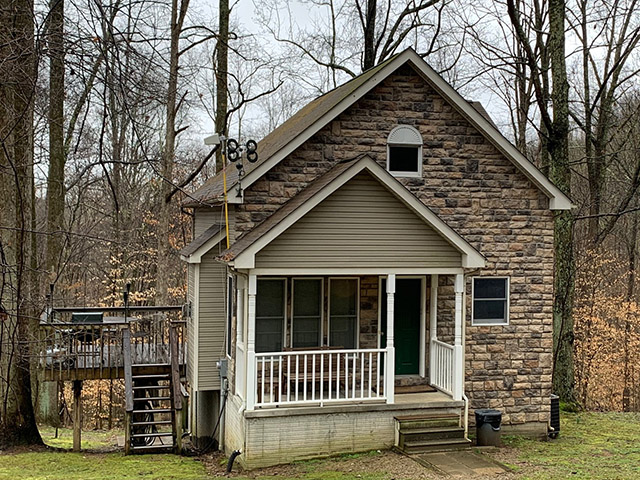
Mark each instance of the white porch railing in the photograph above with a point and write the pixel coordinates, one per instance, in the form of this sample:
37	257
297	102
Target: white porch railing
320	377
442	355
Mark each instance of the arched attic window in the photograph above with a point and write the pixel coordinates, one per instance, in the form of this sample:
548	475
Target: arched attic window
404	152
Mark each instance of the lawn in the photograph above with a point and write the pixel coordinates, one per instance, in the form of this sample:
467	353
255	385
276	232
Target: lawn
591	445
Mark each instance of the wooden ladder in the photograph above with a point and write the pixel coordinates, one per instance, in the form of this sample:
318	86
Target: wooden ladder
153	402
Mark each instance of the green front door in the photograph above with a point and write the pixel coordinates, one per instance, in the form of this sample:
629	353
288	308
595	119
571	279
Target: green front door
407	313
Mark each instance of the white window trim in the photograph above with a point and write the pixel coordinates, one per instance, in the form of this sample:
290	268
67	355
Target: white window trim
357	309
390	144
285	309
507	306
321	333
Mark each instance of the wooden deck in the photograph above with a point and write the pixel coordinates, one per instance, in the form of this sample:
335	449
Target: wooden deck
90	350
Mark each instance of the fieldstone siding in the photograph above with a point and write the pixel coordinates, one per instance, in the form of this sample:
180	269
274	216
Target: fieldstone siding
480	194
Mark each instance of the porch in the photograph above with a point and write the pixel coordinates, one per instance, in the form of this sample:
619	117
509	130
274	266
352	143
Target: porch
347	341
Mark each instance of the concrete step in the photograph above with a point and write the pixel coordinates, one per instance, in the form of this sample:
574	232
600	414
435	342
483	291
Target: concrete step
428	421
439	433
422	446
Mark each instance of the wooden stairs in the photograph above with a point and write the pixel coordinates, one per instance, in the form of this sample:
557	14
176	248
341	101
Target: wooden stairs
153	404
430	433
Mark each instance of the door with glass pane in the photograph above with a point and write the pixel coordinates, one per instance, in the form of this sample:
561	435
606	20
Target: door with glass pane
306	311
343	312
270	314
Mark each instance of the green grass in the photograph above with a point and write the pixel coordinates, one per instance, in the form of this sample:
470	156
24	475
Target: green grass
590	445
72	466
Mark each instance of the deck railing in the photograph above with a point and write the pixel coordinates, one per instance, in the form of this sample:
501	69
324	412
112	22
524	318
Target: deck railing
442	372
88	350
320	377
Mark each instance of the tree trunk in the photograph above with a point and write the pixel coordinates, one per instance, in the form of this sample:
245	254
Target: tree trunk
55	179
222	55
178	12
369	59
560	174
18	421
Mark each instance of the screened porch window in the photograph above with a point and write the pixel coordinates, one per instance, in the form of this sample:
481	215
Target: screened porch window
270	314
343	312
306	322
490	301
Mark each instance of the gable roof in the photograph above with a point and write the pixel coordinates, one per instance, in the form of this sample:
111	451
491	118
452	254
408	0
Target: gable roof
243	252
203	243
311	118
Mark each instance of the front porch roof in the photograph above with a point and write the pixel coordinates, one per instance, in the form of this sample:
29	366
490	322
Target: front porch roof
242	254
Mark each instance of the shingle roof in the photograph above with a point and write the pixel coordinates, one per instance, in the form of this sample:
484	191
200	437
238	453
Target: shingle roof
203	238
212	190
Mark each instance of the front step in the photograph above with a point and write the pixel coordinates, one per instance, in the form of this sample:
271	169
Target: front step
151	399
441	433
153	410
156	422
440	445
428	420
156	435
430	433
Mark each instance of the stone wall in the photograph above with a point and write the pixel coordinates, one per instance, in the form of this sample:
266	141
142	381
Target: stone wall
476	191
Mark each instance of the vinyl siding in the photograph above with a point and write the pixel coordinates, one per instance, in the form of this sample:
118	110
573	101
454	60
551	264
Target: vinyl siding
211	321
204	218
191	298
360	225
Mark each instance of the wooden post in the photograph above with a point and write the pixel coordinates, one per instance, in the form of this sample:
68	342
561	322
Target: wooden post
390	371
458	354
251	343
433	325
77	415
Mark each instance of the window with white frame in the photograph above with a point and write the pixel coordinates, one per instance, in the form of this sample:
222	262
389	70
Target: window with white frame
490	301
271	297
343	312
306	312
404	152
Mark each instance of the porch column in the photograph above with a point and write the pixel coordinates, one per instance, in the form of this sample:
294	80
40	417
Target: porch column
433	325
458	354
251	343
390	373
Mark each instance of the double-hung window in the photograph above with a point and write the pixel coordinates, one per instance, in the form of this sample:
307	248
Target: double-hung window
490	301
343	312
270	314
306	313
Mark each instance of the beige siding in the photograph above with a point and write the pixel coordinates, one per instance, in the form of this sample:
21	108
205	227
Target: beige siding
211	321
204	218
191	298
360	225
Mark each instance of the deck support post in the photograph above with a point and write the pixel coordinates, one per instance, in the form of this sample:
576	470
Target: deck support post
433	325
458	354
251	343
390	371
77	415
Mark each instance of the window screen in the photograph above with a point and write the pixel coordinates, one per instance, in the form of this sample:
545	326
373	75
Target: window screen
343	312
490	301
307	312
270	311
403	159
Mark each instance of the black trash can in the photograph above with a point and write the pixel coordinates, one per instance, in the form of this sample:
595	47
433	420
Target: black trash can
488	427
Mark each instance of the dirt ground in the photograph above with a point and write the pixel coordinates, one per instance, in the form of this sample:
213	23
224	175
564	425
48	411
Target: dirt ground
395	466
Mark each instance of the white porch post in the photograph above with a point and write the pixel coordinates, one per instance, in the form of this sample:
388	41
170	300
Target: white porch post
251	343
433	326
390	373
458	354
